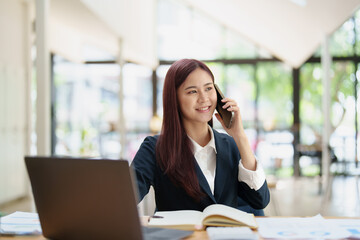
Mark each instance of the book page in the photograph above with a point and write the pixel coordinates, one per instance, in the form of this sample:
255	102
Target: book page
175	218
230	212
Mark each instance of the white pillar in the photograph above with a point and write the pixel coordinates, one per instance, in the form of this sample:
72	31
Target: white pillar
42	78
28	74
121	124
326	106
28	103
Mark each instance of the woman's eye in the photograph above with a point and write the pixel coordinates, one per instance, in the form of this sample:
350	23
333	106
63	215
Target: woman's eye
191	92
209	88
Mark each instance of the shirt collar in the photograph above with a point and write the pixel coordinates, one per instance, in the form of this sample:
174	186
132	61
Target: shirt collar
211	143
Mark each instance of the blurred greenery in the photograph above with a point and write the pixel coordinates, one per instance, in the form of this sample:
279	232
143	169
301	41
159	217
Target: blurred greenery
311	96
275	95
342	82
284	172
310	171
342	40
311	91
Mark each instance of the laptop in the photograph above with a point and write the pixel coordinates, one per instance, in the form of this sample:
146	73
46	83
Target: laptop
78	198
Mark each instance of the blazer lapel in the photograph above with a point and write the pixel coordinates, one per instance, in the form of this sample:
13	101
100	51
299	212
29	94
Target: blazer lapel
203	182
220	175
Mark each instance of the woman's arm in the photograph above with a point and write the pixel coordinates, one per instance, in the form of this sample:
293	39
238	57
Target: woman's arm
144	165
252	185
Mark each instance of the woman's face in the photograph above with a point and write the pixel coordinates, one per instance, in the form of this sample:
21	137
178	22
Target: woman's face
197	97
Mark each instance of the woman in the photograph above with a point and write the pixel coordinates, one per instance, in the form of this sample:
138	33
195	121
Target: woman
190	165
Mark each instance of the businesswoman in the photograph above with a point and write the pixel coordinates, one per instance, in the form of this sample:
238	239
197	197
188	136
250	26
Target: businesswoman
191	165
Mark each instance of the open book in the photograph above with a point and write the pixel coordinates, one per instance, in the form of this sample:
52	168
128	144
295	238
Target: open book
213	215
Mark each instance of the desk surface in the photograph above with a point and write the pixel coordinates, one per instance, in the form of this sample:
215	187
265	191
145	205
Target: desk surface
196	235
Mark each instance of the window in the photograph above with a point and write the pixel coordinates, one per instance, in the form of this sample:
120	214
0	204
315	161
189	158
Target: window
85	109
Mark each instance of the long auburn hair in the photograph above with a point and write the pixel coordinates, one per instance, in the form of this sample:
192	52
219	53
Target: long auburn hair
174	148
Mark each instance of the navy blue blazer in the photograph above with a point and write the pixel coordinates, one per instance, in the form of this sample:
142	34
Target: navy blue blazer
227	189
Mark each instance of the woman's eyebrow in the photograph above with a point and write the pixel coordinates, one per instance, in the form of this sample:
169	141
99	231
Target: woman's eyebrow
206	84
189	87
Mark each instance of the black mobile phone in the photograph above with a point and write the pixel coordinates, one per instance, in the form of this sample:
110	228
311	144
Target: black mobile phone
226	116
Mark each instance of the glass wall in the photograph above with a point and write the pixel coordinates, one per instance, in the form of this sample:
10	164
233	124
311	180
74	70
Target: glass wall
160	75
137	106
263	88
343	104
343	113
275	109
86	108
239	84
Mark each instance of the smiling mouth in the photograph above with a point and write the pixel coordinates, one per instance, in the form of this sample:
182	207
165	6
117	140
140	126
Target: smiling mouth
204	108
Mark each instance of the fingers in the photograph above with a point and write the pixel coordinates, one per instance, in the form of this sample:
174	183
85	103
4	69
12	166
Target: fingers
230	105
236	126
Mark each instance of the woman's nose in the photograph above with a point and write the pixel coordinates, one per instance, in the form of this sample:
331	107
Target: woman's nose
202	97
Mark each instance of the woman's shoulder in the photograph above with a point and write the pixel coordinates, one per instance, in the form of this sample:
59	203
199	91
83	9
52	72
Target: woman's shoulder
149	142
151	139
221	135
146	151
223	138
226	146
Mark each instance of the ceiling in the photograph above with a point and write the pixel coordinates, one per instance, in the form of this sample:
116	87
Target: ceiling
72	27
290	30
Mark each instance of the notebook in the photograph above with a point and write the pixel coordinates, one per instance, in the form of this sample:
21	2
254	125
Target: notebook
79	198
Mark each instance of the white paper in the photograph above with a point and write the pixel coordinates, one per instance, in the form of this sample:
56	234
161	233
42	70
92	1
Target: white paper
180	217
20	223
350	225
300	228
230	233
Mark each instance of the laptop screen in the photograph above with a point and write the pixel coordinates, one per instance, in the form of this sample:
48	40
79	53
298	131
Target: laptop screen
79	198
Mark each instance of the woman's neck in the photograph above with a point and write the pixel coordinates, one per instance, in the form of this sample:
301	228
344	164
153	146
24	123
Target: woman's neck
199	133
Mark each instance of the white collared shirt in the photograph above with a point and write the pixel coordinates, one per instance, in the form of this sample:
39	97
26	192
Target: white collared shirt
206	159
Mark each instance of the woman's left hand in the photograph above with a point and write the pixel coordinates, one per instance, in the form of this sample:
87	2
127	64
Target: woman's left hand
236	129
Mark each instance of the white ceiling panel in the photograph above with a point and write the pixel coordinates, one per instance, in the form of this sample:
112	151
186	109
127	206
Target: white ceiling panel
289	29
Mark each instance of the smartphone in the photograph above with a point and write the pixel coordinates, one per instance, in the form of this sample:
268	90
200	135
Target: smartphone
226	116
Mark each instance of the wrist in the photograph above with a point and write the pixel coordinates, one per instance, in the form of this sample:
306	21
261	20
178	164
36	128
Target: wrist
241	135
